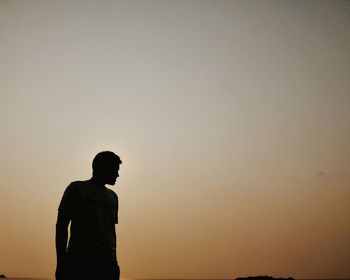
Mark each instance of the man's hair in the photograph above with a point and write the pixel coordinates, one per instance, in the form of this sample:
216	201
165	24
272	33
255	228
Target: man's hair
105	159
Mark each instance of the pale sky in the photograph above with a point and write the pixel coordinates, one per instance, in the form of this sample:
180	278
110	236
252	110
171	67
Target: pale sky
232	119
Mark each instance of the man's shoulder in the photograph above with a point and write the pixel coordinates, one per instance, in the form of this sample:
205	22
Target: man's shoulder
71	194
112	193
77	186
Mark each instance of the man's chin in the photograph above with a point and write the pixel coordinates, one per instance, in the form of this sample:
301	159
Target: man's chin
112	183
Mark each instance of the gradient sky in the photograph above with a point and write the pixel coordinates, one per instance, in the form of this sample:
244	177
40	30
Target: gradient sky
232	119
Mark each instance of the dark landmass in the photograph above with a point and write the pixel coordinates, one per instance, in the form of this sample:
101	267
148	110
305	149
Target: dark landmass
264	277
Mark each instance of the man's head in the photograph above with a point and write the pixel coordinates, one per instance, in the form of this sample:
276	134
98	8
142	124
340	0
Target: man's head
105	167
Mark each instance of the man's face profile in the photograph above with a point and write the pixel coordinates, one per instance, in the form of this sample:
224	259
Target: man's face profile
112	173
109	173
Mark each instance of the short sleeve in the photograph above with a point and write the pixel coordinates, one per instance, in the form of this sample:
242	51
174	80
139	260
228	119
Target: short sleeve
68	199
116	209
116	203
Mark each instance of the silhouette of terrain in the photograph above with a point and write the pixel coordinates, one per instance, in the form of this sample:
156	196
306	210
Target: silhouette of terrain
264	277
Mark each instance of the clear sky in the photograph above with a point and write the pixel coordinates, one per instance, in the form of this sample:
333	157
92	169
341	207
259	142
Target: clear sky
232	119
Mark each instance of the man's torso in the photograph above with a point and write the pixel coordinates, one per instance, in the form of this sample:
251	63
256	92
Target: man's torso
94	213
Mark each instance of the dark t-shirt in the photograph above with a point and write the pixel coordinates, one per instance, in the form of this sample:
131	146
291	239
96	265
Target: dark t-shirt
93	211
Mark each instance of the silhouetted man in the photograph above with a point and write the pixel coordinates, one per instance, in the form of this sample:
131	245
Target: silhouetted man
92	211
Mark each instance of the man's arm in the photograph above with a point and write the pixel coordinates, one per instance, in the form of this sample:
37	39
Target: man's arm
62	223
64	216
65	211
61	237
61	243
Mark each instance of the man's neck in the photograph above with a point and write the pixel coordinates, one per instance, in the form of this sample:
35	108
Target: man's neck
98	181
